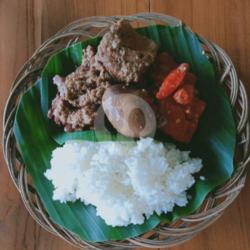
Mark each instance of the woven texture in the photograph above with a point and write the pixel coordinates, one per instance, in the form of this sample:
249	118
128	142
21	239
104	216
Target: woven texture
164	235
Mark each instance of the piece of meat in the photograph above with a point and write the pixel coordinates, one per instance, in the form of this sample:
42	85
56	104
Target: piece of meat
59	110
88	79
124	53
80	93
82	86
70	117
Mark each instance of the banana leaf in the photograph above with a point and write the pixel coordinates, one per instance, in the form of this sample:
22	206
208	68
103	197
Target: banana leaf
214	141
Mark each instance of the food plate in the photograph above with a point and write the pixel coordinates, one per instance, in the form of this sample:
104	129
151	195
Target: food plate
214	141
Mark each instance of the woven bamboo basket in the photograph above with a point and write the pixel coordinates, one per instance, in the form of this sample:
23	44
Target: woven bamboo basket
164	235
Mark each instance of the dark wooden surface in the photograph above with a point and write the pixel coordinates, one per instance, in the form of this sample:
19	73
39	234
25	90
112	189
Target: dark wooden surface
24	24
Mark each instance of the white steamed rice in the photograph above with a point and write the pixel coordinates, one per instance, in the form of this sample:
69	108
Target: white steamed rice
125	181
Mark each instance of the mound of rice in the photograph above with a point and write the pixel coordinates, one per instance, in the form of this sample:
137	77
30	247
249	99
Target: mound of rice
125	181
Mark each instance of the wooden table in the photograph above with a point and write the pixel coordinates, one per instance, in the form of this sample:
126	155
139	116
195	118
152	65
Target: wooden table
25	24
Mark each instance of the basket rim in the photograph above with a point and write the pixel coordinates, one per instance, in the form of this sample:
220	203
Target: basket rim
8	116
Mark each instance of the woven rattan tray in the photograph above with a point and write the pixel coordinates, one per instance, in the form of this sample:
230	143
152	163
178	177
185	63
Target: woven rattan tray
163	235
